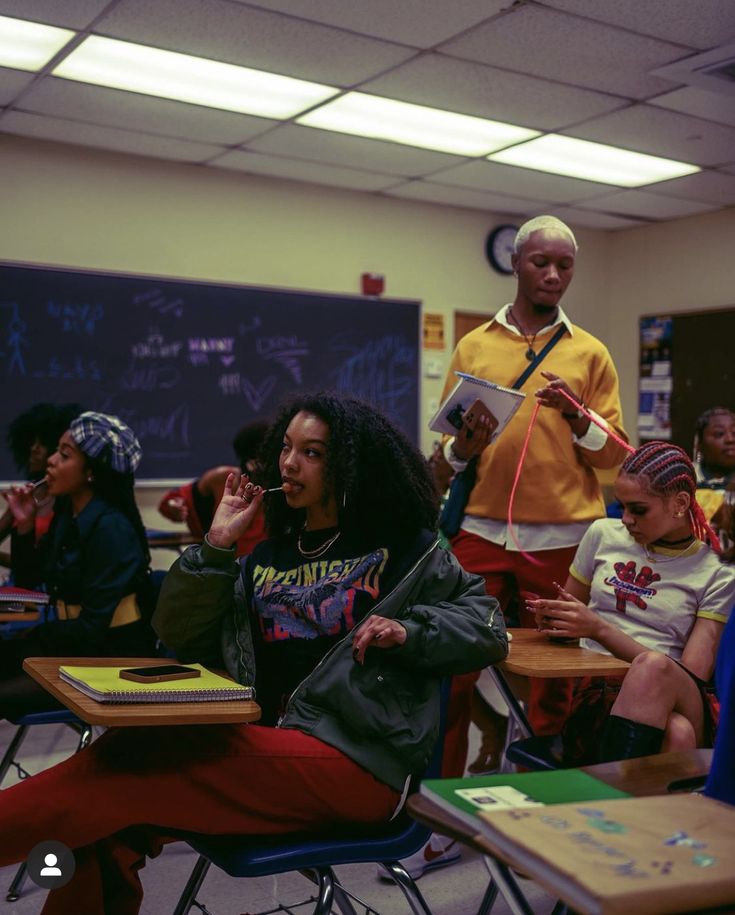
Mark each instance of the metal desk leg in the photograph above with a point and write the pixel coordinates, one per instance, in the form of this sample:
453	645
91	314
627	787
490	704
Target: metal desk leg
519	726
506	883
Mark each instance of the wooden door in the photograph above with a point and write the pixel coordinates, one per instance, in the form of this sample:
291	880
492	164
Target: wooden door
465	321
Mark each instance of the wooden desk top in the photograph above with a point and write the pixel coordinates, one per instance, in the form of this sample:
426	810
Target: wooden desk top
644	777
170	539
19	616
533	655
46	672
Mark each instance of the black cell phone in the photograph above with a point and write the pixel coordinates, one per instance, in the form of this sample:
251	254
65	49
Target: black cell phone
160	673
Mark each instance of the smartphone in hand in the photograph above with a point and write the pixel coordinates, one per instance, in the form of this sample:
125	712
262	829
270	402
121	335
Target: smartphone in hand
474	414
159	673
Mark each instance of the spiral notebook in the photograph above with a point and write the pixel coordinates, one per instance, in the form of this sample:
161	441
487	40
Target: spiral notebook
17	599
104	685
501	402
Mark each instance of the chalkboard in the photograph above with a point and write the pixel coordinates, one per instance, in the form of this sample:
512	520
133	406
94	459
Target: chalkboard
186	364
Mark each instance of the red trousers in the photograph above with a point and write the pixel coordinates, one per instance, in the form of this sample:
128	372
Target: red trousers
508	575
123	797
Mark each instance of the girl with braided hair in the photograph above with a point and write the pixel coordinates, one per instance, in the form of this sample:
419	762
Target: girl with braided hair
648	588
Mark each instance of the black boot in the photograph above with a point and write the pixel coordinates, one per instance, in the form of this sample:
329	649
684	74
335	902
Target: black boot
625	739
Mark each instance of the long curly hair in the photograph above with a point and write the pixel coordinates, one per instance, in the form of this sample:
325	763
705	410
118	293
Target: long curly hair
46	422
380	479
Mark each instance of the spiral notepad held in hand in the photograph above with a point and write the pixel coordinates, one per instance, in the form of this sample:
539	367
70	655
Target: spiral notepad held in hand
104	685
502	402
10	595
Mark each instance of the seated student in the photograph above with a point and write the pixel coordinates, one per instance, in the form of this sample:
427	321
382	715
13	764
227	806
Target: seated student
345	620
32	437
714	460
93	560
195	503
649	589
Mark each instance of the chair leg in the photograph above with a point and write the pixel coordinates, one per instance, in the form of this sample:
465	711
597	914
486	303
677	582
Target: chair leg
16	887
193	886
488	900
342	900
85	736
9	757
325	881
408	887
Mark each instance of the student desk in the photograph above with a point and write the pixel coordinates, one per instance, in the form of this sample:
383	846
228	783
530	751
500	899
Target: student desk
20	616
46	672
644	777
170	540
533	654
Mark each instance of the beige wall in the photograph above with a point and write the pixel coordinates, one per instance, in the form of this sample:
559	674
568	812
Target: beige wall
74	207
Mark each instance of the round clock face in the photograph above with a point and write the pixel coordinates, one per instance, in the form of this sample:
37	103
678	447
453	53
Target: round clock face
499	248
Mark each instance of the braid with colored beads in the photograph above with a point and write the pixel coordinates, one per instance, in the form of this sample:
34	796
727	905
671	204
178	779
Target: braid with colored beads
667	469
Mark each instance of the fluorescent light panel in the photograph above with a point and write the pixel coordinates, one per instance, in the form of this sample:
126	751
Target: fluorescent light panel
168	74
414	125
29	45
592	161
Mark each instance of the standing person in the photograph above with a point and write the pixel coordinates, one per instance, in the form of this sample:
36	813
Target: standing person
648	588
195	502
345	620
94	559
559	494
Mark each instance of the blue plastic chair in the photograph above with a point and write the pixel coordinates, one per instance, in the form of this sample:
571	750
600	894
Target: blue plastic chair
537	753
61	716
314	856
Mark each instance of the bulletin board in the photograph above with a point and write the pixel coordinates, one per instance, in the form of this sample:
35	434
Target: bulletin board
686	366
186	364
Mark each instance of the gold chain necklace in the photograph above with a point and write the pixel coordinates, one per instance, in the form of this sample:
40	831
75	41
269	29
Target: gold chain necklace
651	557
530	352
312	554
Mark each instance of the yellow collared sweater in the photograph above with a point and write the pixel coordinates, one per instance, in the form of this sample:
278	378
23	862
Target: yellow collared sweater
558	484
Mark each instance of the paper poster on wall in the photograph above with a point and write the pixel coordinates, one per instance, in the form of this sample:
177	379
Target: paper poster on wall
655	385
433	331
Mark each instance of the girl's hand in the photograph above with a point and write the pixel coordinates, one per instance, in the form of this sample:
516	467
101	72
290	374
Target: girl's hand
239	505
175	509
566	617
23	508
377	632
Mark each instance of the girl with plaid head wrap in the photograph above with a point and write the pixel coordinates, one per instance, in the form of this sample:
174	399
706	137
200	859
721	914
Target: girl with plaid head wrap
93	561
649	588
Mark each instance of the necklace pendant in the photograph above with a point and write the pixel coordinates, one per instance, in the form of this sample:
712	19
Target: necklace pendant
530	354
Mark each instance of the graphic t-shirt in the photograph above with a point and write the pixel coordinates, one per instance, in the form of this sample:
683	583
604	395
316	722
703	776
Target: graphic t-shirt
655	596
303	606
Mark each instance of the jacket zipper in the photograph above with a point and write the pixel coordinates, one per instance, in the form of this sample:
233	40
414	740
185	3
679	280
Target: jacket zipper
375	609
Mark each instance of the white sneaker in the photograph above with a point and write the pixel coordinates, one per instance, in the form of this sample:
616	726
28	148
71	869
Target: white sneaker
426	859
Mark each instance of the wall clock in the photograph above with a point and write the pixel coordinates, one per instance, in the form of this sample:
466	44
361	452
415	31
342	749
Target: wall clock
499	248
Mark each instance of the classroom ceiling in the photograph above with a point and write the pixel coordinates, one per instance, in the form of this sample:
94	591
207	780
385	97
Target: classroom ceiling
610	71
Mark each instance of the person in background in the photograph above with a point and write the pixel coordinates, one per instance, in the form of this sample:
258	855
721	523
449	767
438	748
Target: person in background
195	503
651	589
32	437
94	559
559	494
346	620
714	460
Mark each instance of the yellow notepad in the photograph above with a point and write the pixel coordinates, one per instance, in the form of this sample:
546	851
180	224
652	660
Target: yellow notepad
104	685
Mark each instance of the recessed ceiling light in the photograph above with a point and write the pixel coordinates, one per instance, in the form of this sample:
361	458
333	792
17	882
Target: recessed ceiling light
29	45
592	161
415	125
197	80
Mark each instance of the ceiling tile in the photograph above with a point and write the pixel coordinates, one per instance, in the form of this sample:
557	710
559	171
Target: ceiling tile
644	128
464	197
298	170
729	169
71	14
713	106
702	24
353	152
99	105
641	203
521	182
45	128
255	38
706	187
593	220
476	89
554	45
12	82
412	22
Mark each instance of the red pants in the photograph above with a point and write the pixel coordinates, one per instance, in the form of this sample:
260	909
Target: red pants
121	798
507	575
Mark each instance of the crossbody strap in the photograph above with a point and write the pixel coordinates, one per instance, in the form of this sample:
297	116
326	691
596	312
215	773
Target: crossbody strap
538	358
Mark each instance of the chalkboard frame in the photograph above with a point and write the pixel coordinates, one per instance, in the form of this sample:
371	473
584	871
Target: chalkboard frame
380	313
